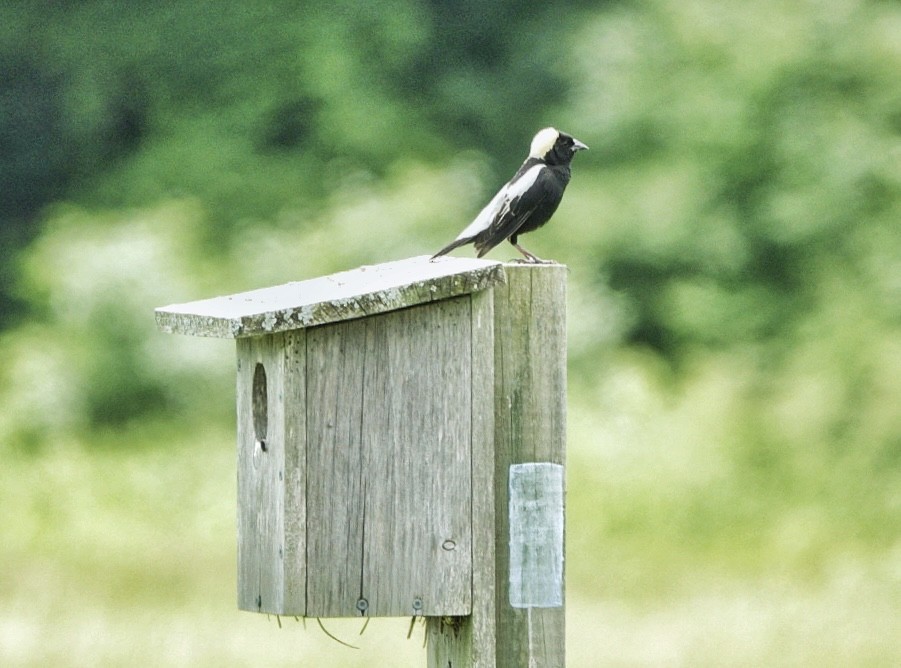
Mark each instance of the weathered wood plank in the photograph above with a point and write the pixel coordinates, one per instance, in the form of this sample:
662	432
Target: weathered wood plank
417	410
294	473
271	472
389	509
483	620
471	641
334	451
530	426
351	294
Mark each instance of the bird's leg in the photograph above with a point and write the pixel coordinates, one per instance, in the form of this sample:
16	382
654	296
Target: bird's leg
530	258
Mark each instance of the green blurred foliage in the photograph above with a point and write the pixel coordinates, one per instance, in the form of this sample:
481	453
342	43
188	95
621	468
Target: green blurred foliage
735	293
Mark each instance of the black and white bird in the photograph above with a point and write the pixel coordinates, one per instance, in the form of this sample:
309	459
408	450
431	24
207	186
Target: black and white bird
528	200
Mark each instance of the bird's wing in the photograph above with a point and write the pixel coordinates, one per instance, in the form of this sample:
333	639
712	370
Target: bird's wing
521	200
502	203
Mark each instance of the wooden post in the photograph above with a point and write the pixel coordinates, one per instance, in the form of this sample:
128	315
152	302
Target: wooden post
471	640
529	428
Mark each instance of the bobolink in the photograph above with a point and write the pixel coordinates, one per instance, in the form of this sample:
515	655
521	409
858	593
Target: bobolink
528	200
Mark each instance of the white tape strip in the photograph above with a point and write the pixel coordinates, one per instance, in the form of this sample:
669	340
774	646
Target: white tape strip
536	535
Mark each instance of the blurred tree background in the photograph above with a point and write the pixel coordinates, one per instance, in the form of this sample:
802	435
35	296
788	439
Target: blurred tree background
735	302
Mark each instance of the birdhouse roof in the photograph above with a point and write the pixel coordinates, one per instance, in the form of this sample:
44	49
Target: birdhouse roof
364	291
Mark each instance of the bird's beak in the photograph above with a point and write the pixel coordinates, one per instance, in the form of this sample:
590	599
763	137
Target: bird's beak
579	146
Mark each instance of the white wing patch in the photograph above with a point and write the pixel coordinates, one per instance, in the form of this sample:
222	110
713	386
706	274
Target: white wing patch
500	203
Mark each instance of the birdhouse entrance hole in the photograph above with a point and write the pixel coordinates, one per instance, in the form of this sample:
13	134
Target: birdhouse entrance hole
260	407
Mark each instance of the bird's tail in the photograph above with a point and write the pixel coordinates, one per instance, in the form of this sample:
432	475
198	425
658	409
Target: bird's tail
456	243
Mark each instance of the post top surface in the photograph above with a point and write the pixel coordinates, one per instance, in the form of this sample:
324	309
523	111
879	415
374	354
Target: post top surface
367	290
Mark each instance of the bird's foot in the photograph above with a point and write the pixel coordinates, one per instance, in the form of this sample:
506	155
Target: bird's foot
532	259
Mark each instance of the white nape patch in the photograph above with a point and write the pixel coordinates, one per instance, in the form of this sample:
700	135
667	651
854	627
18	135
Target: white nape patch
536	535
500	202
543	142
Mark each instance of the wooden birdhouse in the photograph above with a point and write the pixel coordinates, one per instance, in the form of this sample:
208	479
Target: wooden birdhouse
367	404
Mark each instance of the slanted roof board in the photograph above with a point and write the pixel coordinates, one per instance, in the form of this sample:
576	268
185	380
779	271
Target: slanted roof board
351	294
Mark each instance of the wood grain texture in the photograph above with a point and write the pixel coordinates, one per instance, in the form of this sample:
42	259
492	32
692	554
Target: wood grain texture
529	403
335	493
471	640
271	474
530	426
368	290
389	427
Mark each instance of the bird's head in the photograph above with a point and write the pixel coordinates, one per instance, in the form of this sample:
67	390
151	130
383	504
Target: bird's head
555	147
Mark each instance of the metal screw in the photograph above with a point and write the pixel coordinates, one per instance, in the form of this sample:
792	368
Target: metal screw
417	605
448	545
362	605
